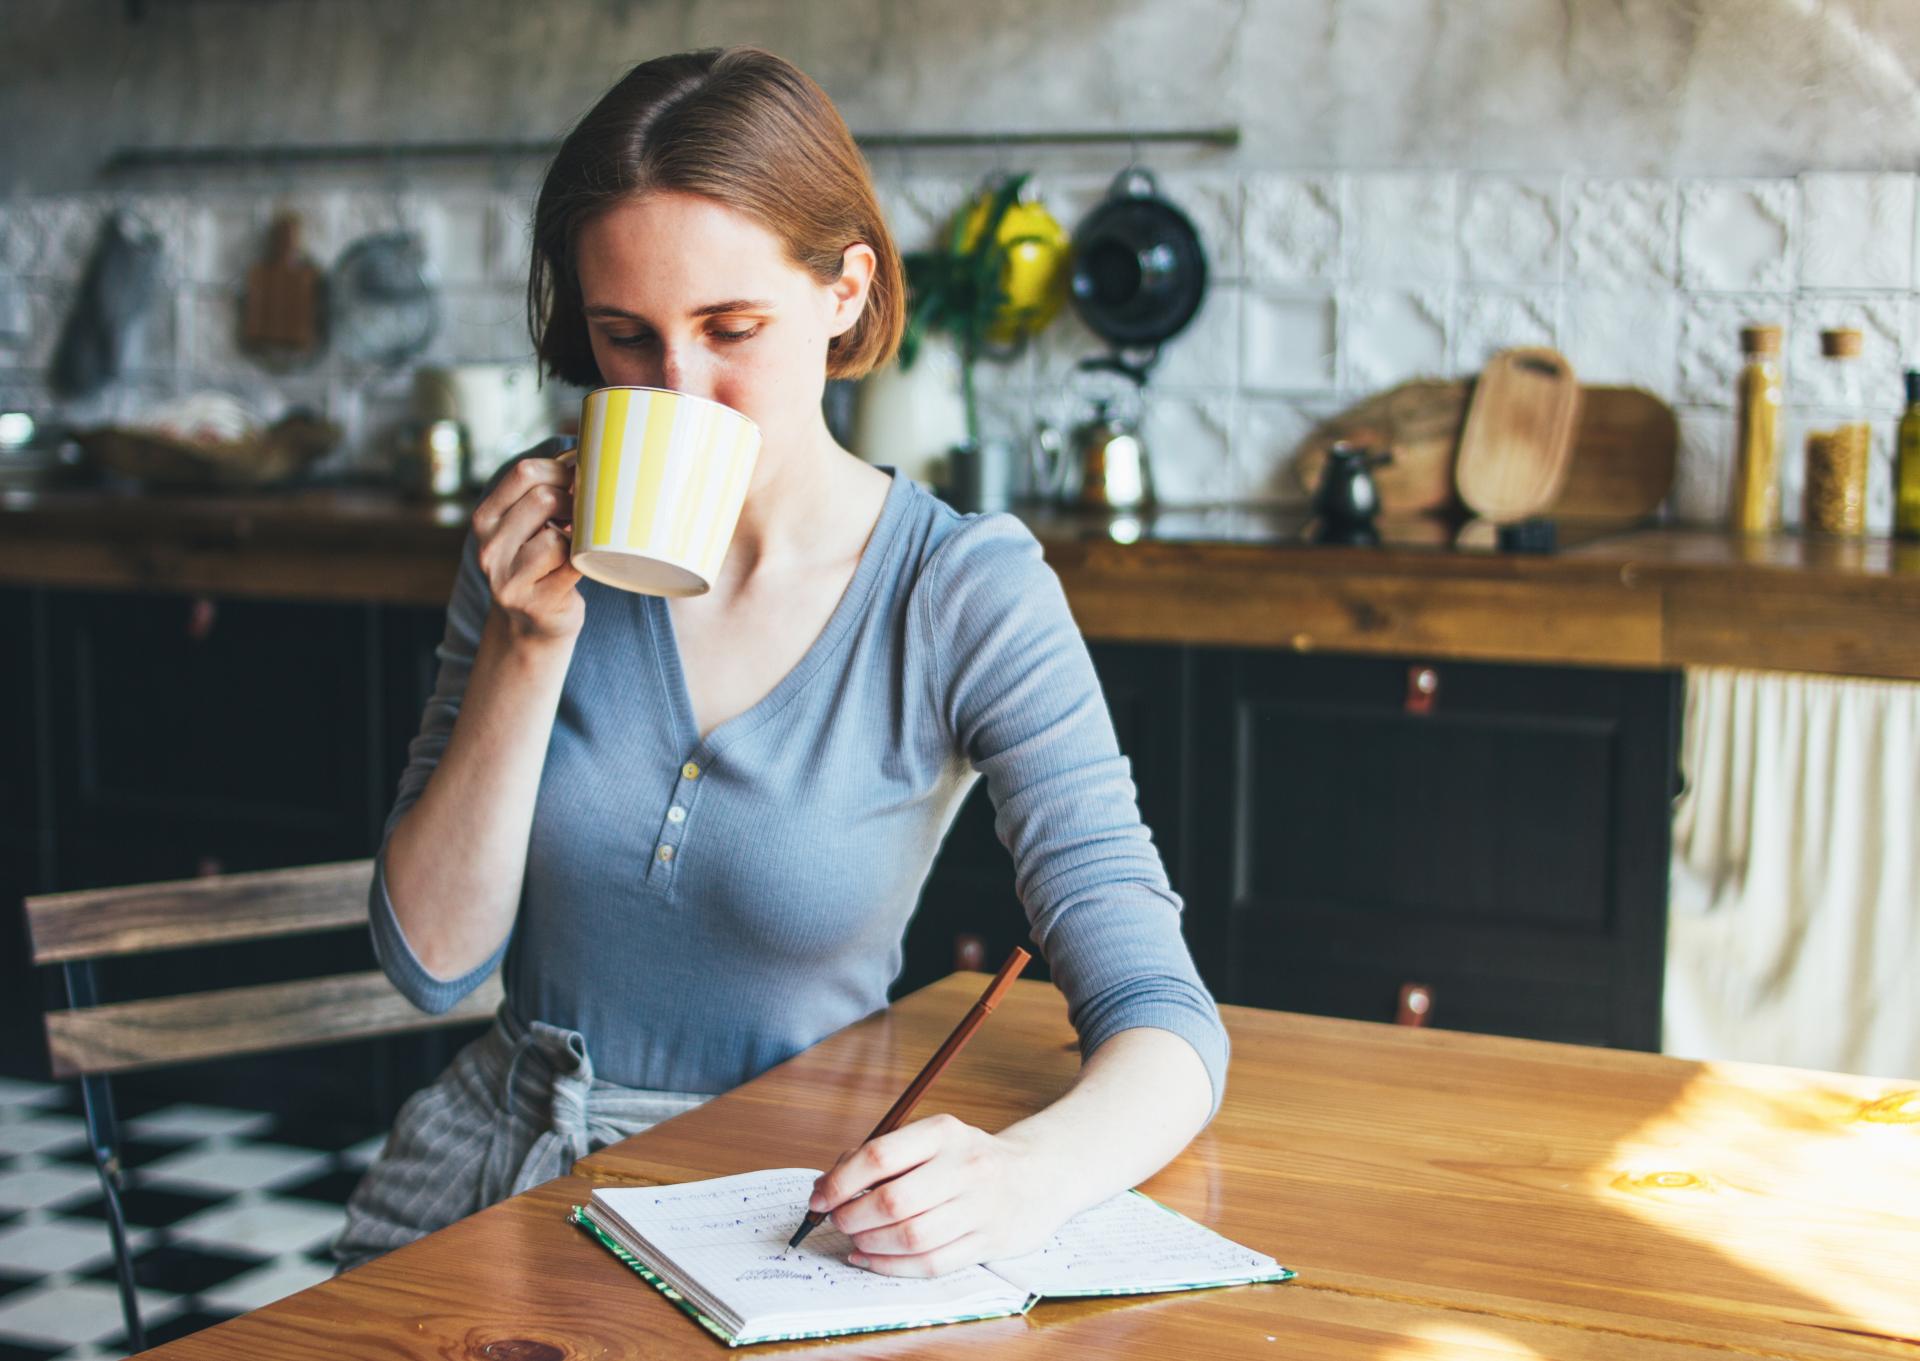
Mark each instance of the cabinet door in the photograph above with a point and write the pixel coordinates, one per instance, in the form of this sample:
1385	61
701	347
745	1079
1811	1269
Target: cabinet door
1497	834
969	913
21	617
248	714
23	988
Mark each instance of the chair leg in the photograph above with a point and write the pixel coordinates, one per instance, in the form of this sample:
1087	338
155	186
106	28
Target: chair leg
103	1138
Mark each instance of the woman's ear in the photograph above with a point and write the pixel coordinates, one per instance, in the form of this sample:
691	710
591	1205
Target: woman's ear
857	263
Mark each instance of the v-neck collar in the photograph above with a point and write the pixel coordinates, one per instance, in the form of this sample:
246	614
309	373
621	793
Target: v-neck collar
852	604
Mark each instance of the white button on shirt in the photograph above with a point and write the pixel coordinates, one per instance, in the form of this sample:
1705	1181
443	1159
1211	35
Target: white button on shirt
676	814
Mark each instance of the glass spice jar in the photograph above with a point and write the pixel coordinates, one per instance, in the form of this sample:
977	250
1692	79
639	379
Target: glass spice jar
1756	467
1835	498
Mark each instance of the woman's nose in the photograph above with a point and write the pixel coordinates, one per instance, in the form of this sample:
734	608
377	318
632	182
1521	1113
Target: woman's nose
683	371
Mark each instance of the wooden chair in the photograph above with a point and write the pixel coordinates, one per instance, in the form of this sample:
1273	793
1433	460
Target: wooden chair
93	1040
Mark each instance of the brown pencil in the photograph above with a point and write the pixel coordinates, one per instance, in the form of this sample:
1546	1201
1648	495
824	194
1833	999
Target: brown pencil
942	1056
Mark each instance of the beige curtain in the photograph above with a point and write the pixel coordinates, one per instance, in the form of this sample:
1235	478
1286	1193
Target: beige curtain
1794	931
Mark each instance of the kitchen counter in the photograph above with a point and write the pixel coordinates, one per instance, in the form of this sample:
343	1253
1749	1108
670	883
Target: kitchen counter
1612	595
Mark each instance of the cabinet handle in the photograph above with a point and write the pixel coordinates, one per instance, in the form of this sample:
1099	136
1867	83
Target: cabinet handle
1423	687
969	951
1416	1004
201	616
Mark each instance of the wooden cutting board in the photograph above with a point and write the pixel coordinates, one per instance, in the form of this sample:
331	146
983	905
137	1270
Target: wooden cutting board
1622	457
1623	452
280	316
1516	447
1419	423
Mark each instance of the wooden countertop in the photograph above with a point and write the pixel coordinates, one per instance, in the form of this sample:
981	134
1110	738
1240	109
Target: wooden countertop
1242	577
1440	1194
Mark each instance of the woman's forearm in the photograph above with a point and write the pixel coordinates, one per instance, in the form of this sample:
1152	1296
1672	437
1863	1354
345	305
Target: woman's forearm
1137	1103
456	859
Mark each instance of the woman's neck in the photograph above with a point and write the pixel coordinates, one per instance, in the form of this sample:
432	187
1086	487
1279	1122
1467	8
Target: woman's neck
795	507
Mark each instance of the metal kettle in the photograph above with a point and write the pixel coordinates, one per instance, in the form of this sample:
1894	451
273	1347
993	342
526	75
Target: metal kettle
1114	472
1104	464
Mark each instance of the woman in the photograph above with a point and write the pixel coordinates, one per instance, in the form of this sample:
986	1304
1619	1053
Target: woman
695	829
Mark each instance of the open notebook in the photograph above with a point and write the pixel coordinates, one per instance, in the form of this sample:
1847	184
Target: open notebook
718	1249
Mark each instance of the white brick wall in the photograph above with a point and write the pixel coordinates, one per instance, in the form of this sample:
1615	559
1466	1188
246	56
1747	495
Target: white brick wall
1326	286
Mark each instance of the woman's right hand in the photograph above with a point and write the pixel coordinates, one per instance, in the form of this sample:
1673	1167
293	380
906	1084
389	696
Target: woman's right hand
526	556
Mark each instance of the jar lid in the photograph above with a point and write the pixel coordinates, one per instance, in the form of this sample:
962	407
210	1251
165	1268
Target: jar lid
1758	339
1842	342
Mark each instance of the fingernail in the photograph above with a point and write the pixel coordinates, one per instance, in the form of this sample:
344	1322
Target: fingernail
858	1259
817	1202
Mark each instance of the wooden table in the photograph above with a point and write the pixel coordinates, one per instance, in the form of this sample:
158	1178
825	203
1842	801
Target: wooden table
1441	1195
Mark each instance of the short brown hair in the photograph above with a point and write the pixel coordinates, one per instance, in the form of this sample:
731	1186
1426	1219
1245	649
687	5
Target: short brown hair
737	125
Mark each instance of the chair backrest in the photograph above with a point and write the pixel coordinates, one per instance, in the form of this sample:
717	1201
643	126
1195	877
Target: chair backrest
115	1037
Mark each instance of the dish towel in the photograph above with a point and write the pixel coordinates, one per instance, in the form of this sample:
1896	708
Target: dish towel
1794	927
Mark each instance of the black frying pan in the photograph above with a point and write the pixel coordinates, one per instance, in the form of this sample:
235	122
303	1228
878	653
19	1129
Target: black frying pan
1139	271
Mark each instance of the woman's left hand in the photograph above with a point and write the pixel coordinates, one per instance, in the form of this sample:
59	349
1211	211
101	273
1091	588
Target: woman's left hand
954	1195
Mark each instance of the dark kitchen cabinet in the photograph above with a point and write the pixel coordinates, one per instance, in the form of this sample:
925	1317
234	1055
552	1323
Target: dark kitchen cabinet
173	712
183	736
1343	828
1336	831
24	858
1496	836
22	620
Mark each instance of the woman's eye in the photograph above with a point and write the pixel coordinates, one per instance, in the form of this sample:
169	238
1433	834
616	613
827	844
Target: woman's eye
731	336
631	342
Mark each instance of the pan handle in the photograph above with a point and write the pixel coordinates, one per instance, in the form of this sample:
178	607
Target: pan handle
1113	363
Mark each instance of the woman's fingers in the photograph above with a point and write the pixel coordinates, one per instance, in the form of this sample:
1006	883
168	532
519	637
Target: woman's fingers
521	478
893	1202
548	551
915	1231
877	1160
522	521
966	1250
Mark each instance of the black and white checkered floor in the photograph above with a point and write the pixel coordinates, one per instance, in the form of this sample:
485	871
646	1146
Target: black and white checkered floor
228	1210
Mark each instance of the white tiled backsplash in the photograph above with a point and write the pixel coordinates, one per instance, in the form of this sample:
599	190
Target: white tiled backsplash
1325	287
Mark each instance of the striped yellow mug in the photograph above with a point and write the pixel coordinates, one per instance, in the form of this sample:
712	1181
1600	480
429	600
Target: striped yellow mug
658	489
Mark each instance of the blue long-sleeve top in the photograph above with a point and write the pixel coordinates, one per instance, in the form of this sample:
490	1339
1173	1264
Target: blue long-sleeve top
700	909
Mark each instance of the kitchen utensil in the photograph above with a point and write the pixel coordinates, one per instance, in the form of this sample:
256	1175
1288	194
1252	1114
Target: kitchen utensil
659	484
980	476
1139	270
1107	454
1346	500
280	313
1418	423
499	406
33	456
381	306
1517	443
1623	456
1114	474
432	458
118	288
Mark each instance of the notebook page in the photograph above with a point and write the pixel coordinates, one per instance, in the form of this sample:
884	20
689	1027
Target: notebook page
726	1240
1131	1244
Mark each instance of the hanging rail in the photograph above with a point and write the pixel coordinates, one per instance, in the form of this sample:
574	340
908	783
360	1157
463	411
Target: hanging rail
132	160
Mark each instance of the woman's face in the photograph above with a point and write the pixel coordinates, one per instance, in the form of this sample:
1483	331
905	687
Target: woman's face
683	292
